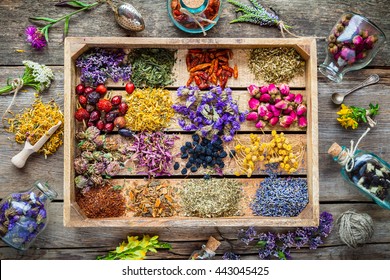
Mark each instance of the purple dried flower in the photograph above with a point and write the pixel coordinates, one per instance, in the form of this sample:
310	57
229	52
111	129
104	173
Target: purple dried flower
248	235
35	37
113	168
230	256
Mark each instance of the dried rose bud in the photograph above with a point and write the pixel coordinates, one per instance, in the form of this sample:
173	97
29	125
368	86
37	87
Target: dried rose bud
281	105
345	19
273	121
264	89
370	41
260	125
262	110
272	89
357	40
268	116
252	116
301	109
361	55
298	98
302	122
293	114
284	89
290	97
253	90
275	111
265	97
286	121
253	103
334	49
364	33
331	38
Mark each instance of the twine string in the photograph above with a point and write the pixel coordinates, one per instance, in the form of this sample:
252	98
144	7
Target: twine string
16	85
349	161
283	29
196	19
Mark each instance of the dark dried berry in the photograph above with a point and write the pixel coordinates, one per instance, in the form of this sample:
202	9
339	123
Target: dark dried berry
80	89
206	176
93	98
88	90
194	169
100	125
183	149
110	116
232	153
188	144
223	154
122	108
184	171
94	116
188	164
116	100
82	100
125	132
184	156
195	137
176	166
109	127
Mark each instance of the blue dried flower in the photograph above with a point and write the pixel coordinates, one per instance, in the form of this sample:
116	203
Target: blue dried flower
248	235
230	256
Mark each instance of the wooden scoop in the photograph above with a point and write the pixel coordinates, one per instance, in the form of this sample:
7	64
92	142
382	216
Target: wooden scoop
19	160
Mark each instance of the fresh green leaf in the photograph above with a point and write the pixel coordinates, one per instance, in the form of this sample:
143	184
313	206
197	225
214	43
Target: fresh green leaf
44	19
72	4
66	27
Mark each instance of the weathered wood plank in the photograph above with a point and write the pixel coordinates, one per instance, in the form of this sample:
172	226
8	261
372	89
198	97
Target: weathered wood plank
308	19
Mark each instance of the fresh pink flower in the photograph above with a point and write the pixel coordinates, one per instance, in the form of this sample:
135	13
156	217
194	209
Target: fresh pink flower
35	37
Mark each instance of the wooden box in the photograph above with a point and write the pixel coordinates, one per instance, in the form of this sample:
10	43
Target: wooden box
306	84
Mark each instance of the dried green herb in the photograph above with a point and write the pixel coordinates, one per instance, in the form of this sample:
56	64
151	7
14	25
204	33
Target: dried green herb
152	67
276	65
211	198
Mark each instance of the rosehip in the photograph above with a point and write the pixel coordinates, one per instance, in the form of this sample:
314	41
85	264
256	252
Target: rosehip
81	114
101	89
110	117
123	107
100	125
80	89
116	100
82	100
90	124
94	116
120	122
88	90
109	127
104	105
129	88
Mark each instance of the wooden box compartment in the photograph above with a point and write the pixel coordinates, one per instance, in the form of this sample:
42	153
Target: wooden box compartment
306	84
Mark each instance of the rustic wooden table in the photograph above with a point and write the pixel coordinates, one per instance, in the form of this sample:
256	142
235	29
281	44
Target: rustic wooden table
309	18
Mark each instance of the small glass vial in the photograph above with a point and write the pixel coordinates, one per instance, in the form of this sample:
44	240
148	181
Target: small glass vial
24	215
366	171
208	251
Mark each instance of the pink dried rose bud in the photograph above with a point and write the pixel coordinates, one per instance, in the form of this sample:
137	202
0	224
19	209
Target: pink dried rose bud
253	90
260	124
262	110
286	121
370	41
298	98
273	121
264	89
290	97
269	115
253	103
265	97
361	55
302	122
284	89
293	114
252	116
272	89
287	111
364	33
357	40
333	49
301	109
347	53
277	99
281	105
276	112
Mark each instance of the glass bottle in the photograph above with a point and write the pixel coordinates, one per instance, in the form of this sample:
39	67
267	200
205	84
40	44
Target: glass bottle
366	171
24	215
207	252
352	44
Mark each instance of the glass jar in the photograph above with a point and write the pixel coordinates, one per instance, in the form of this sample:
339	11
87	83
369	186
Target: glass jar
190	15
24	215
366	171
207	252
352	44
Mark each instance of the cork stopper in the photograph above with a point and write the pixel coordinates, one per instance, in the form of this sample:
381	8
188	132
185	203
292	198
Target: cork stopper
335	150
212	244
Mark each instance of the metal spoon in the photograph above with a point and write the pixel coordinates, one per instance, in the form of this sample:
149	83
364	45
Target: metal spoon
338	98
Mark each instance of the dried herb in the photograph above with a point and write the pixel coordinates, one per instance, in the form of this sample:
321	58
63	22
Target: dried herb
211	198
102	202
34	122
280	197
276	65
152	67
135	249
153	199
150	109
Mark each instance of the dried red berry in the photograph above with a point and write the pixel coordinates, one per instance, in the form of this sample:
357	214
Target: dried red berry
129	88
88	90
120	122
116	100
81	114
123	107
94	116
109	127
80	89
90	124
100	125
101	89
104	105
82	100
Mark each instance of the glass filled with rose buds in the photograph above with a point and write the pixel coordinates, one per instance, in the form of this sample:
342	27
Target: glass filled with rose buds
351	45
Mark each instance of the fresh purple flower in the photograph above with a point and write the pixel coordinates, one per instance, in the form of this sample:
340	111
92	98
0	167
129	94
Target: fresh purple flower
35	37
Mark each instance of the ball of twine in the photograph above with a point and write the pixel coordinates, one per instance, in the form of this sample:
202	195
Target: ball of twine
355	229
